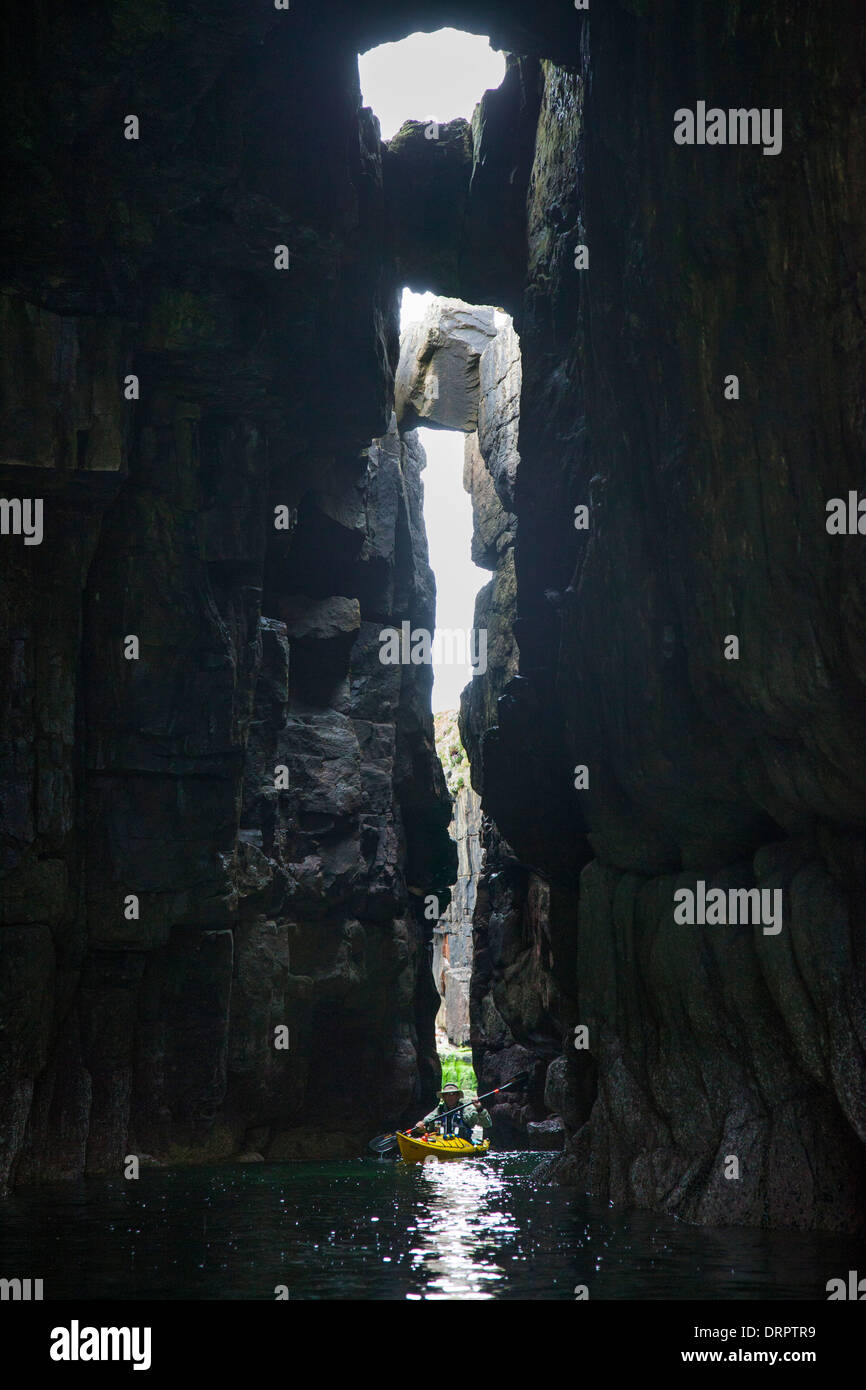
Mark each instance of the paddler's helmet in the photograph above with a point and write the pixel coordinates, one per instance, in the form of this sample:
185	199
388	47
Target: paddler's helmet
449	1089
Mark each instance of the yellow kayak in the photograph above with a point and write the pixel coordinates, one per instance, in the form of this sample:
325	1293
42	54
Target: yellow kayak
416	1150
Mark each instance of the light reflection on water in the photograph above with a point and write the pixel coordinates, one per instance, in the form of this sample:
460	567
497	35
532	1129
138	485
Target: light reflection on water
462	1227
480	1229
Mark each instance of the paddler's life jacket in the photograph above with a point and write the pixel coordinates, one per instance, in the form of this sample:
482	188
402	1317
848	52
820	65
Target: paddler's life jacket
453	1126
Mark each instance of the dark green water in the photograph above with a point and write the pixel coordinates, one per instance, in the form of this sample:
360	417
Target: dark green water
369	1229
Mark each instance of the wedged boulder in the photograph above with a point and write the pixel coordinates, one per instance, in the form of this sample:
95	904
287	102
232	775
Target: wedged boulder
438	377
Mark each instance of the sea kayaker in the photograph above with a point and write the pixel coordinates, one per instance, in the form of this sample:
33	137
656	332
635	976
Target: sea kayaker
458	1126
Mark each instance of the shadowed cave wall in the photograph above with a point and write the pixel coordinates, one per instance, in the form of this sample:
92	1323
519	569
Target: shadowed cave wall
261	388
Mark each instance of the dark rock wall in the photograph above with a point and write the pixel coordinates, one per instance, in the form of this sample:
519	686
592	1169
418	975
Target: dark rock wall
260	904
707	518
261	388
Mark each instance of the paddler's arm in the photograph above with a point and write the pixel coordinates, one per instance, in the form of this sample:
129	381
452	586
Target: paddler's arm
427	1122
476	1115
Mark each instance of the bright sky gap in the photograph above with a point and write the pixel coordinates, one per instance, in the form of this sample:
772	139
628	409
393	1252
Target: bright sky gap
428	77
437	77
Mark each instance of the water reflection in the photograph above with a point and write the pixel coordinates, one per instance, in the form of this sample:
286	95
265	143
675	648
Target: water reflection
475	1230
464	1221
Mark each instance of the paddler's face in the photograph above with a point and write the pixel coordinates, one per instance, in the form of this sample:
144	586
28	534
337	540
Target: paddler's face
451	1100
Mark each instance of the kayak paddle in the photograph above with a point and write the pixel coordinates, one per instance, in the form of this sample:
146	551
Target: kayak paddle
387	1143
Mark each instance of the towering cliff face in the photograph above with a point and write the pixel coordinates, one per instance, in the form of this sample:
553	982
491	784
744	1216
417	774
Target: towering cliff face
261	388
706	521
214	854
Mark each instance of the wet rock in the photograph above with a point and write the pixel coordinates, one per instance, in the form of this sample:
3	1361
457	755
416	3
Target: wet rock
546	1134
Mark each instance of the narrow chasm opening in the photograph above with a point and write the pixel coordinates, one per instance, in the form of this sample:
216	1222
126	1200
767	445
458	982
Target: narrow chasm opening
457	394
